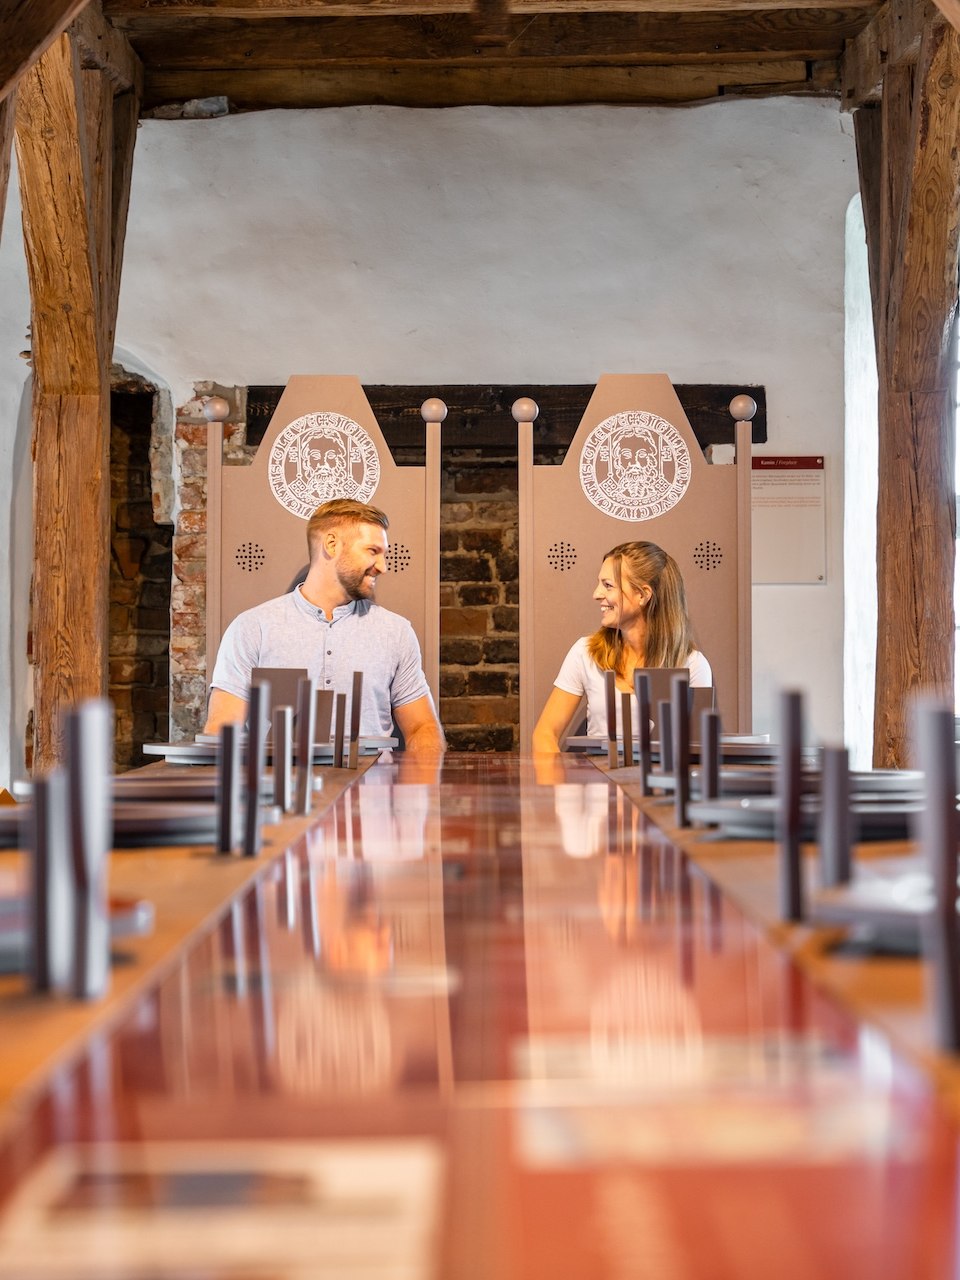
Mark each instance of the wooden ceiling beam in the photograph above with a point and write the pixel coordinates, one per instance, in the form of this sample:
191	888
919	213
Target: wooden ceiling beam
104	48
889	39
509	86
119	11
451	39
30	27
923	303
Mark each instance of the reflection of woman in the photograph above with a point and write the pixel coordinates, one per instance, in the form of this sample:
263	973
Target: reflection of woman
643	623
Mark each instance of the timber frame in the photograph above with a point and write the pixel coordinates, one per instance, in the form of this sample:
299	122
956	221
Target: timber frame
902	79
75	120
75	75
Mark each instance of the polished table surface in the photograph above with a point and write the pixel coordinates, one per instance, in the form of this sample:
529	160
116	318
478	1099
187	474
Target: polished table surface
477	1024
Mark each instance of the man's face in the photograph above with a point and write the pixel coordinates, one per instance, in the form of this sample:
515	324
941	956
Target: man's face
361	560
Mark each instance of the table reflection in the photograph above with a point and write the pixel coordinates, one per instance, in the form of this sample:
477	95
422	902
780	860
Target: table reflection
483	1024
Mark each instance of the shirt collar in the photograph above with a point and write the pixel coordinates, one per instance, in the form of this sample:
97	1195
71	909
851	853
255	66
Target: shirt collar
341	611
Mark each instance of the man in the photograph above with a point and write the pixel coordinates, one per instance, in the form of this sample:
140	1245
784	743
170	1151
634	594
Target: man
331	625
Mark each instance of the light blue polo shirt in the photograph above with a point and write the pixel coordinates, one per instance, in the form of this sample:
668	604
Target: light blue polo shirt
291	632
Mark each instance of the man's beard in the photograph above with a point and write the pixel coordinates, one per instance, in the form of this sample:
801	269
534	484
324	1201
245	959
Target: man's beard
352	581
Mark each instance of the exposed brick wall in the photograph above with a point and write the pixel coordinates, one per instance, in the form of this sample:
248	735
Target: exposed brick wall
140	563
188	617
479	602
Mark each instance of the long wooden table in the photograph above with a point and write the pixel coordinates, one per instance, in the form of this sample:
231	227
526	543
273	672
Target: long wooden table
476	1025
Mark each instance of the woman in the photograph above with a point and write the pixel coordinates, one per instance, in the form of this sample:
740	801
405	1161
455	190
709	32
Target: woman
643	623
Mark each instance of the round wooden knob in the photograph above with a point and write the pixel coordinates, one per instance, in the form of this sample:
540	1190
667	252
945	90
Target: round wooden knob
433	410
743	407
216	409
525	410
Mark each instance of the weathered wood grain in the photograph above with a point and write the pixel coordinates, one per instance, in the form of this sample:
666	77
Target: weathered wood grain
50	139
951	11
104	48
451	38
28	28
71	537
443	87
924	290
890	38
915	506
74	150
121	10
915	563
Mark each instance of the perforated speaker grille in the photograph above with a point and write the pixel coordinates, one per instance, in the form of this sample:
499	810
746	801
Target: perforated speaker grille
250	557
708	555
562	556
398	558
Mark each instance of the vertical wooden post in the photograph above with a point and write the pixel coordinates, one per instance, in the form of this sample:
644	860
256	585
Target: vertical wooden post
74	170
910	182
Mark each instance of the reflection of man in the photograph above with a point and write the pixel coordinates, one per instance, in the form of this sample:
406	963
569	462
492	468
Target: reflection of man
331	625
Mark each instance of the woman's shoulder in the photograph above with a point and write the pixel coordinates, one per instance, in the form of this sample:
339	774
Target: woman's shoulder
701	673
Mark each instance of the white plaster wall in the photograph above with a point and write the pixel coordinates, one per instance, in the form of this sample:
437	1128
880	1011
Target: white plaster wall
860	499
483	245
16	502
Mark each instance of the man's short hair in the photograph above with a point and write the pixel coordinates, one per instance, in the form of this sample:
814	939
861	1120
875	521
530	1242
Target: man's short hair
340	511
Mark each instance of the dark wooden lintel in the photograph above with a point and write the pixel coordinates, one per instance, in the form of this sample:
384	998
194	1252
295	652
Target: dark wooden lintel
479	417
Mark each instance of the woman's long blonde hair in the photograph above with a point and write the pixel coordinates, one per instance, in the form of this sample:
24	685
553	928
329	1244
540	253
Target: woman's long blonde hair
669	637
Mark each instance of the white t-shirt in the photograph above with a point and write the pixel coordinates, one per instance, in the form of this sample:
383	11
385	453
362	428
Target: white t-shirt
579	674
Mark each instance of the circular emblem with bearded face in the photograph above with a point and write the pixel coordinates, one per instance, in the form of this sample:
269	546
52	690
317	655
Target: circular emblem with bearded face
634	466
322	456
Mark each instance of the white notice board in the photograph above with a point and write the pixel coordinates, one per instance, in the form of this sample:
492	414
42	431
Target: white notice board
788	506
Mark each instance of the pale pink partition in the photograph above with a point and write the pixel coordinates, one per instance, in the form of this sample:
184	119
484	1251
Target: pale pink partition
642	461
323	442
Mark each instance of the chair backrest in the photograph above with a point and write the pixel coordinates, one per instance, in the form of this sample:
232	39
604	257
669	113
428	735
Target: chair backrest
634	471
323	442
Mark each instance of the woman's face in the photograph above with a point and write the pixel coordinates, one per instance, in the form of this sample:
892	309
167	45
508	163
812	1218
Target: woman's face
619	608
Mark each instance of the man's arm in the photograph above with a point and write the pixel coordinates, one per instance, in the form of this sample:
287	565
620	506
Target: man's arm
224	708
420	727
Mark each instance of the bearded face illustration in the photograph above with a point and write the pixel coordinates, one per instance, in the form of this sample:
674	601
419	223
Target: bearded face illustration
322	456
634	465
